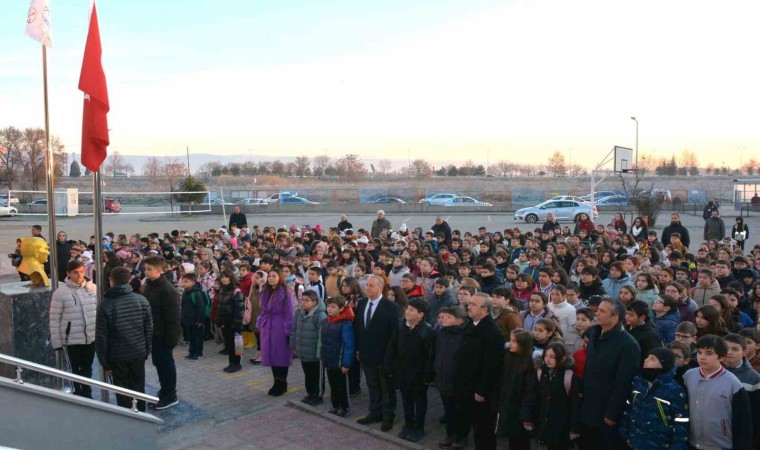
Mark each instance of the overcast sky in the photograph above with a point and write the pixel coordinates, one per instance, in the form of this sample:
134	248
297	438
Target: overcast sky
441	79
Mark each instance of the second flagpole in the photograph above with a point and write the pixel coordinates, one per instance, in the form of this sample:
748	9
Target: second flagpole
50	178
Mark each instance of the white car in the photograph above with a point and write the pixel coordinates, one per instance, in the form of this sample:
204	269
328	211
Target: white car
8	211
252	202
568	197
563	210
274	198
465	201
438	199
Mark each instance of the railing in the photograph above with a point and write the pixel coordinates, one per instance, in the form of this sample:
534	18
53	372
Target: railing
23	364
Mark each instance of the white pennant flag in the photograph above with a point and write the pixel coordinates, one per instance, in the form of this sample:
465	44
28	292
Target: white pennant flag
38	22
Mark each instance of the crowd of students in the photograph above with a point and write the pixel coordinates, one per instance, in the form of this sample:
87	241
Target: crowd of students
600	338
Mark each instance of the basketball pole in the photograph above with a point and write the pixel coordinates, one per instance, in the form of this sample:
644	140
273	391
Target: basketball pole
594	183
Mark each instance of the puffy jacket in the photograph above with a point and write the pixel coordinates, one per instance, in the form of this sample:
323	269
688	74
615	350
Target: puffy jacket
231	308
396	275
337	343
489	283
703	295
666	326
193	306
715	228
517	397
73	305
657	417
409	357
165	306
595	288
304	335
124	326
556	408
436	303
613	286
447	344
647	338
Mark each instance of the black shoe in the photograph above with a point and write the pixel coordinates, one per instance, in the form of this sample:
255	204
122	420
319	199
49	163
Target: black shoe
314	401
255	362
281	387
355	393
306	399
226	369
235	368
416	434
442	420
342	412
404	433
459	444
333	411
224	352
446	443
387	425
166	403
369	420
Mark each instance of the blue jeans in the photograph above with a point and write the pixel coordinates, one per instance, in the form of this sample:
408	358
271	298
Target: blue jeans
163	360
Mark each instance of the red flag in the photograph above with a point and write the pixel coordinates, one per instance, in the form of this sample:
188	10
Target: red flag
92	81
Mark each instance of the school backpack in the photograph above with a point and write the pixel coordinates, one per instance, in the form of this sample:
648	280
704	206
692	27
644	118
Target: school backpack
568	379
206	303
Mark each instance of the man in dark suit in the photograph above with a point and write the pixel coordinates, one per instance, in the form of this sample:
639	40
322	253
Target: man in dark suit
478	371
376	319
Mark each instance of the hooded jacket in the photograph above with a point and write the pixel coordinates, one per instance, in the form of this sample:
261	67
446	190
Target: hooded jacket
557	409
396	274
612	286
165	307
507	320
658	415
715	228
703	295
124	326
666	325
436	303
304	335
447	344
409	358
595	288
337	343
647	337
73	307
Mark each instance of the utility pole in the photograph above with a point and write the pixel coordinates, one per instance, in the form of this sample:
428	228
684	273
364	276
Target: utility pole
188	161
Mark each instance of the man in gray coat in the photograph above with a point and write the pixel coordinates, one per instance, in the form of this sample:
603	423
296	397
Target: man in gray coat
380	224
714	227
125	334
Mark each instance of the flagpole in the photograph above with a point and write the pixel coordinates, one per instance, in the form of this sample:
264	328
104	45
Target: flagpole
50	175
98	253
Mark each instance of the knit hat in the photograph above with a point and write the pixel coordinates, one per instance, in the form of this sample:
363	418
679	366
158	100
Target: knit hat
188	268
666	356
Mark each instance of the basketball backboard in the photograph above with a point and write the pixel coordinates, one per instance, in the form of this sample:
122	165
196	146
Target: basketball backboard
623	159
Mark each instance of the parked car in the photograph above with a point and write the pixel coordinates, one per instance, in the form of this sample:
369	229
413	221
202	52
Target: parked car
567	197
388	200
13	199
616	200
465	201
219	201
296	201
598	195
437	199
112	205
250	202
564	210
274	198
38	202
8	211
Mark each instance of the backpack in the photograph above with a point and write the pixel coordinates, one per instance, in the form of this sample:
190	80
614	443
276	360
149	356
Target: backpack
568	379
206	303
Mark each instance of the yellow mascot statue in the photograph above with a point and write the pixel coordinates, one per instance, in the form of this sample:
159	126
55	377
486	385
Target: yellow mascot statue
34	254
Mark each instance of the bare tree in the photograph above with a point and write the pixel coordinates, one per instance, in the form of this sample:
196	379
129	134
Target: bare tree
320	164
351	167
301	165
557	165
115	164
34	155
421	169
384	166
153	169
11	161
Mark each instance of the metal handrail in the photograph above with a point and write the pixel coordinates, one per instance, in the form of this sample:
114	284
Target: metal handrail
19	363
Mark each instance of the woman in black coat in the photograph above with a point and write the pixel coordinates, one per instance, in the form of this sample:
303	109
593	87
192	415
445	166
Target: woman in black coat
558	400
639	230
518	388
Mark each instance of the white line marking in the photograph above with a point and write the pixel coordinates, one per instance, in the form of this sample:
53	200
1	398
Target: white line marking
489	218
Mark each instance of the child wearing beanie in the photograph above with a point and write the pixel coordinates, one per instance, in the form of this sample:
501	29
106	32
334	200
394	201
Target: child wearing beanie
658	415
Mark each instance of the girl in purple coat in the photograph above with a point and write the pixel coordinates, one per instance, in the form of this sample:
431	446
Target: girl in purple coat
274	323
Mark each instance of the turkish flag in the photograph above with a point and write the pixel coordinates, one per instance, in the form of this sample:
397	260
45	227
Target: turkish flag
92	81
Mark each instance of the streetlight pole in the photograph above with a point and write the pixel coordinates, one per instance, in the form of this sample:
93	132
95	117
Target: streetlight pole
637	142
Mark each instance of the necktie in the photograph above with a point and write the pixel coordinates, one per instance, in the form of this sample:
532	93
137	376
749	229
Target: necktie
369	314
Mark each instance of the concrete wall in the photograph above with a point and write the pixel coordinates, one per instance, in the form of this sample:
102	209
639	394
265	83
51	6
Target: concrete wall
33	417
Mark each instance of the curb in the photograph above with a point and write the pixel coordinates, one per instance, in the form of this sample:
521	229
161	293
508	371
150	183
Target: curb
353	425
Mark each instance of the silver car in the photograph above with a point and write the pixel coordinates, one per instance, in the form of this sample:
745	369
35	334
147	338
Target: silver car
563	210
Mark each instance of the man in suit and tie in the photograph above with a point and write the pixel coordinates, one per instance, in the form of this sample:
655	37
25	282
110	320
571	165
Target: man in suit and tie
376	319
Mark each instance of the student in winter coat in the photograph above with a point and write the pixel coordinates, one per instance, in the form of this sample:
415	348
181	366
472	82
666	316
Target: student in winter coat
124	335
489	279
337	350
229	316
428	275
736	362
193	314
558	399
658	416
590	284
398	270
504	312
563	311
666	318
715	228
441	298
707	287
274	323
639	325
304	340
73	312
409	361
740	232
447	344
616	280
518	390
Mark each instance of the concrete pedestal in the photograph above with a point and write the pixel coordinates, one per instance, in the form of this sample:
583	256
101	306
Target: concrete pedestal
25	329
